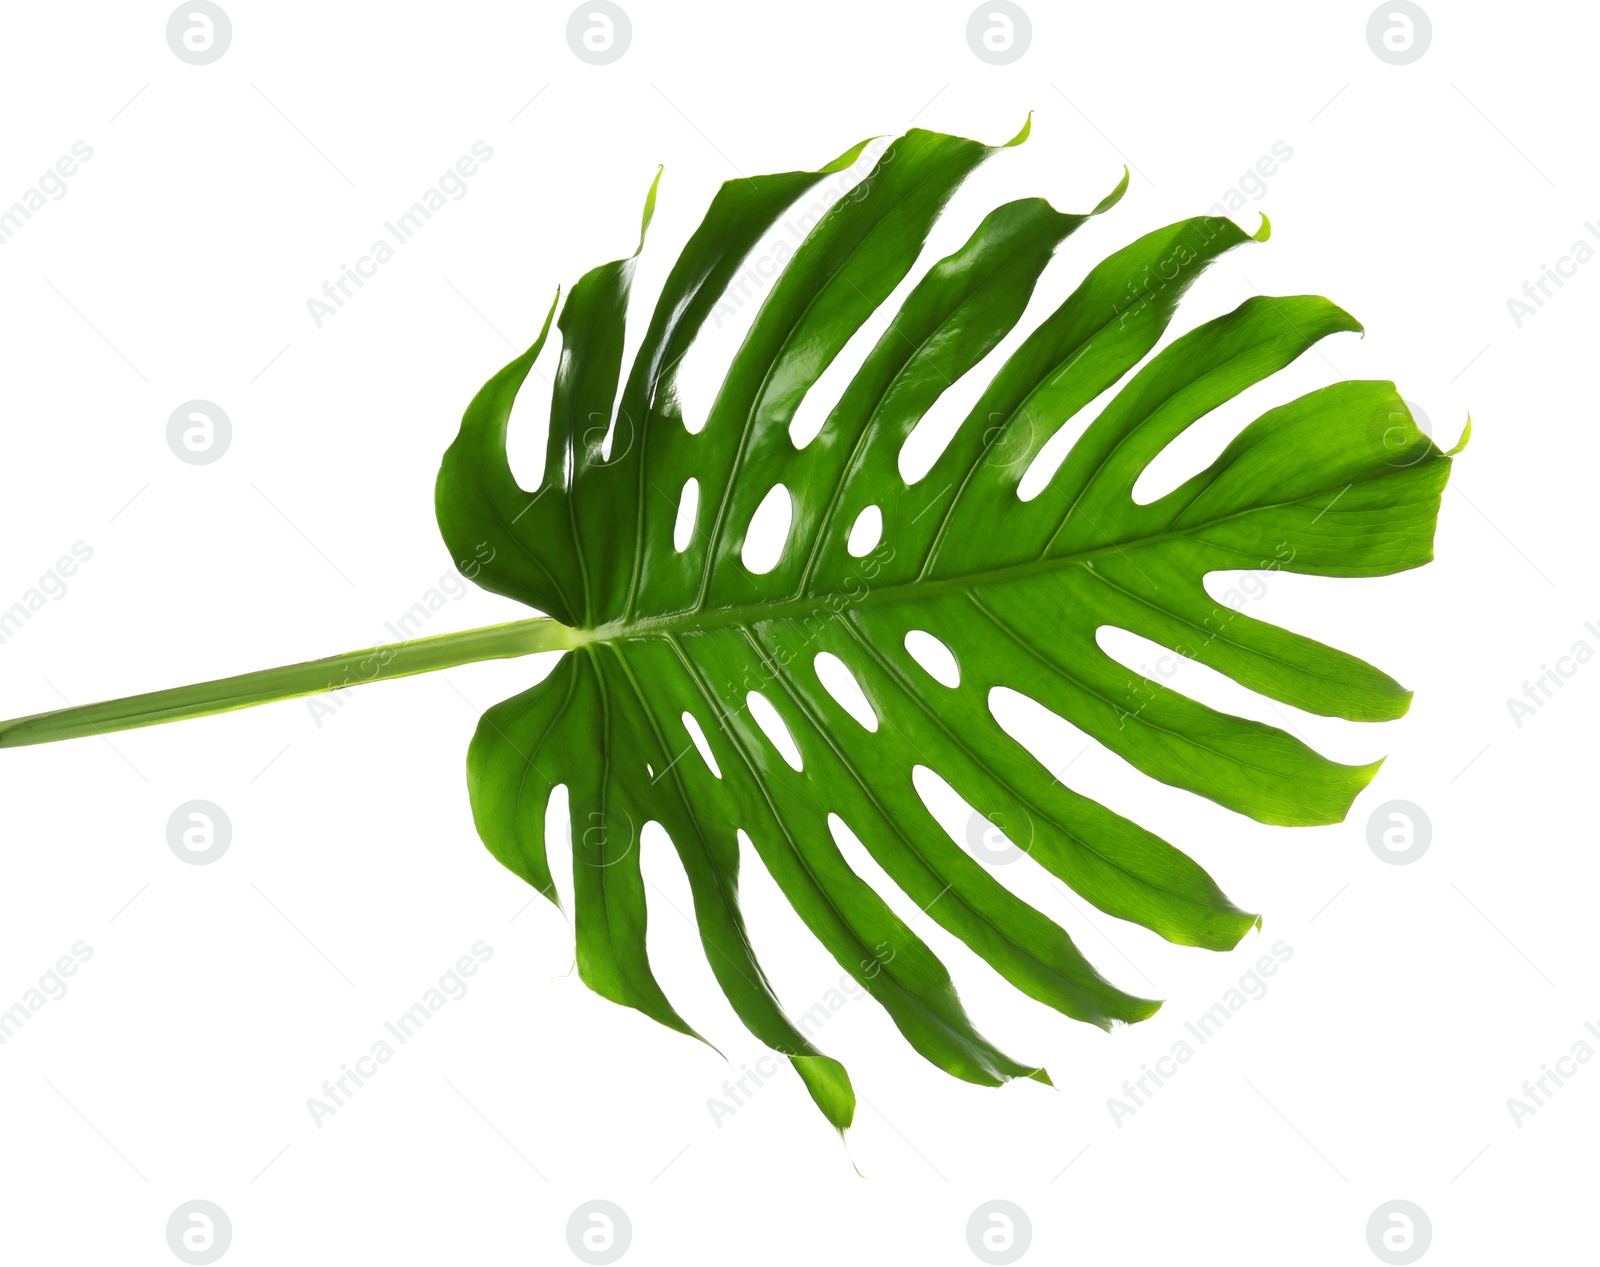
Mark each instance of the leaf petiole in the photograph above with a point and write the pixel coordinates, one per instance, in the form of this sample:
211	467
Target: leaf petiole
314	677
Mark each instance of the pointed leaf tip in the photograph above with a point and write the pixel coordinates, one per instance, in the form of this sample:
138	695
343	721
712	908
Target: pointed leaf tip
650	206
848	159
1020	137
829	1084
533	350
1262	233
1114	197
1466	435
1363	776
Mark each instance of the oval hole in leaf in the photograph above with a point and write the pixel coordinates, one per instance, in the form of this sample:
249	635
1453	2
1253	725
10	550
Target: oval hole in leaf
558	845
1237	588
866	532
1047	461
1202	442
1083	764
688	507
773	727
860	860
692	724
994	839
1151	665
608	444
814	409
528	431
669	941
1187	455
704	365
1075	758
839	682
938	426
769	531
936	659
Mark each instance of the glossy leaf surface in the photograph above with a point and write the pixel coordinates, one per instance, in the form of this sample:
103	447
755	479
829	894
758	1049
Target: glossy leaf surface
674	647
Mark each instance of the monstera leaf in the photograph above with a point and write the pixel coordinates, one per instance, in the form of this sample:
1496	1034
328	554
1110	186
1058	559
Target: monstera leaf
703	696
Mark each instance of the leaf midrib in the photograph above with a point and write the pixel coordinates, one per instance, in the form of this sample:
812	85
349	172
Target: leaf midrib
693	620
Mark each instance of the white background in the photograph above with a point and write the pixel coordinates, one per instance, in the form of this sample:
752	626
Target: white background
218	998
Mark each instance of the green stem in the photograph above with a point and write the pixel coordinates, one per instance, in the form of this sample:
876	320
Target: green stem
336	673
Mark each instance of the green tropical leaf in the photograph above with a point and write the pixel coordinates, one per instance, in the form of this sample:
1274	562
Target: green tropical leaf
1015	590
693	692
